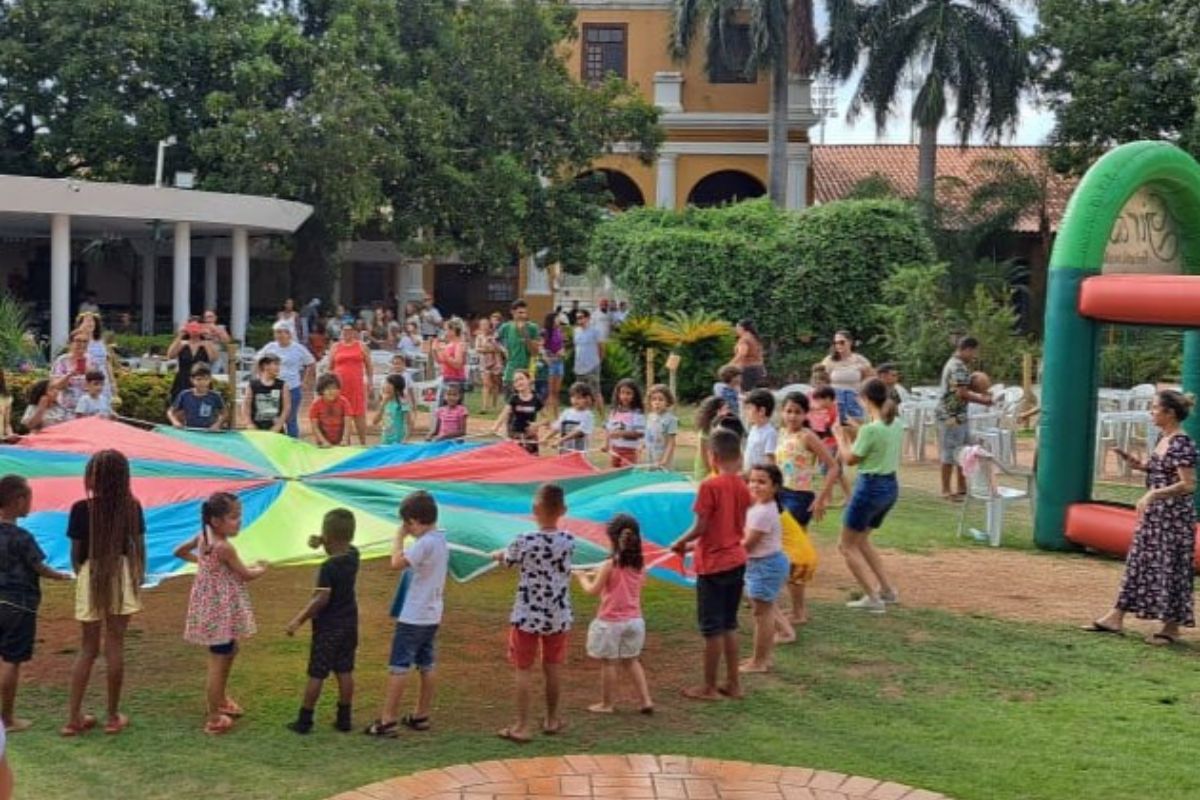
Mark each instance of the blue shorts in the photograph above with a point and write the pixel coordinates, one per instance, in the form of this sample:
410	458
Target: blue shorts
848	405
226	649
555	368
798	503
873	498
412	647
766	576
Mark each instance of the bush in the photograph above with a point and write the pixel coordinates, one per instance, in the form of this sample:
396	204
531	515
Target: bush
990	318
136	345
1133	355
915	323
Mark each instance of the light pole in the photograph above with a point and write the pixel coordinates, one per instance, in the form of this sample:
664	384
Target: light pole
824	100
163	144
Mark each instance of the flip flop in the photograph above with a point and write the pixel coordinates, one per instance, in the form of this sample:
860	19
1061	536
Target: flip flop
507	733
221	725
76	728
1099	627
117	724
1160	640
415	723
555	730
599	708
230	708
382	730
647	710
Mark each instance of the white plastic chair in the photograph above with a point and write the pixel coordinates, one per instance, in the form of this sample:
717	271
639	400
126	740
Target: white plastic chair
1141	396
984	487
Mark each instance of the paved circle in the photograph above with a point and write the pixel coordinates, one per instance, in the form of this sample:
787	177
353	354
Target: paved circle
639	777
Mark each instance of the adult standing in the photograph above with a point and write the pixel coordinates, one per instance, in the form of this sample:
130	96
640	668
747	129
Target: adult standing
953	415
553	346
589	356
69	371
189	348
89	304
89	324
601	320
748	356
214	330
295	362
308	318
1159	570
573	313
518	338
350	361
451	356
847	371
290	317
431	319
491	363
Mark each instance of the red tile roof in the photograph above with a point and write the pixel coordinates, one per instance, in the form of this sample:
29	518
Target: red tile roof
837	169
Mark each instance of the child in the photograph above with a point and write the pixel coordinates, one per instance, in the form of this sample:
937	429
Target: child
720	563
108	553
395	415
94	403
762	438
219	612
662	427
618	632
766	566
428	560
980	383
329	412
822	417
519	417
729	387
889	373
799	447
22	563
541	615
819	376
450	419
267	403
333	610
709	410
626	424
198	407
575	425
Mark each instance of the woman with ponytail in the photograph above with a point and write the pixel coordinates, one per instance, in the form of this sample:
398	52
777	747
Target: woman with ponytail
618	632
108	551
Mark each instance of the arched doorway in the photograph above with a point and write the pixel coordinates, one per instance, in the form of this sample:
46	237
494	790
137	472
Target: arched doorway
726	186
625	194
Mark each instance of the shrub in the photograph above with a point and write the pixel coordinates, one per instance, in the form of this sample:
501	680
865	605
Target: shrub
916	327
990	318
135	345
703	343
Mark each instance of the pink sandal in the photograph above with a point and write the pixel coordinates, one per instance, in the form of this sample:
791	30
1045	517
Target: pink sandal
231	709
216	727
86	723
116	724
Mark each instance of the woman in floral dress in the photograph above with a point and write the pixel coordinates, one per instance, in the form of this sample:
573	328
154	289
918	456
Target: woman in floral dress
1159	569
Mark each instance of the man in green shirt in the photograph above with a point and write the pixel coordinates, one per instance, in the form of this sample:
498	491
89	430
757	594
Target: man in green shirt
520	340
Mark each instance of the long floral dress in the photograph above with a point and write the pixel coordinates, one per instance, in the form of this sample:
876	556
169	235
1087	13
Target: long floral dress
1158	572
219	610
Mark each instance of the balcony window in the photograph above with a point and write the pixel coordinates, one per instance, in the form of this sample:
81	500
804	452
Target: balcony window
732	66
605	52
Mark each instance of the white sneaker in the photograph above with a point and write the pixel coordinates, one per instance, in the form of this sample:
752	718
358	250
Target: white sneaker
890	598
868	603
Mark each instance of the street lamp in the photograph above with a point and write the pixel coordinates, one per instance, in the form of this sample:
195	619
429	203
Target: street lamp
824	100
163	144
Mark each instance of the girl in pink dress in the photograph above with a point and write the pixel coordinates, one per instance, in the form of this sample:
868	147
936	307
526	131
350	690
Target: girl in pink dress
350	361
219	612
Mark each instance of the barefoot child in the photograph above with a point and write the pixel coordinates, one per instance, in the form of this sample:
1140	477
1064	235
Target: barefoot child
333	610
662	427
427	560
822	418
626	424
762	438
519	417
267	402
541	615
22	563
767	566
219	612
720	563
450	419
395	416
618	632
329	412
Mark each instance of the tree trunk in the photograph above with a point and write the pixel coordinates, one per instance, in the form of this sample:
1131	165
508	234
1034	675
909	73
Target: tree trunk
777	166
927	168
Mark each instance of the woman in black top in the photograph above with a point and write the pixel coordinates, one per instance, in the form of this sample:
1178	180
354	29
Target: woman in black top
190	348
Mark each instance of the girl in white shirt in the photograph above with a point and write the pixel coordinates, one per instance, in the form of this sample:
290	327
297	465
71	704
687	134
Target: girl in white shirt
767	567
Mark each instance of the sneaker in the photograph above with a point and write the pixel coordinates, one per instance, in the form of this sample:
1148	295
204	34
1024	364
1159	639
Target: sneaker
890	598
868	603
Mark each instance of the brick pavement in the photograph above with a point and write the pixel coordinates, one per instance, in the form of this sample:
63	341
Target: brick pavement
632	776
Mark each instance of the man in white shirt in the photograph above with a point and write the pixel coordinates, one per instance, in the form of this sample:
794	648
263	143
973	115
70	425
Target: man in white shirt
295	362
601	320
431	319
589	354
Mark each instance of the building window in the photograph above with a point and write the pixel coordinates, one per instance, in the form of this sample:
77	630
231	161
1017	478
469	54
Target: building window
604	52
732	66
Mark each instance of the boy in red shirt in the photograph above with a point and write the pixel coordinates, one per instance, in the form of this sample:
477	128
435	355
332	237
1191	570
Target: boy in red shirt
328	412
720	562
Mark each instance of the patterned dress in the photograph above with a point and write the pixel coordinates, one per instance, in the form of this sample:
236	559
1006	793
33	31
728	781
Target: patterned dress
219	609
1158	572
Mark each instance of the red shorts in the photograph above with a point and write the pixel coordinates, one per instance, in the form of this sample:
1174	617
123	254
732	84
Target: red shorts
523	647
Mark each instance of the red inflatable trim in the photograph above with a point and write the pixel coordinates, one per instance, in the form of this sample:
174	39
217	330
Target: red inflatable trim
1108	529
1142	299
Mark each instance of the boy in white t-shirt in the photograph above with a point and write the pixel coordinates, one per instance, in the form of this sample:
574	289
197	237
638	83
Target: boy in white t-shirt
762	438
428	560
575	425
94	403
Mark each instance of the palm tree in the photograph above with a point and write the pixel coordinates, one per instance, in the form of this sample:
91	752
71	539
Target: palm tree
782	37
973	49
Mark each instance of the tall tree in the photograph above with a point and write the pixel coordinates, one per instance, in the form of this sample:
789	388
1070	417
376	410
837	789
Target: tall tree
782	39
971	50
1115	72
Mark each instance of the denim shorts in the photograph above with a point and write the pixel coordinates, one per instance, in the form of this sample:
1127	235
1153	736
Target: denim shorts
412	646
848	405
798	503
952	437
555	368
873	498
766	576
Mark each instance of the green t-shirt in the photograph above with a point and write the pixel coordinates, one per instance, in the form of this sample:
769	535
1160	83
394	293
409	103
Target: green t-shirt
516	346
879	446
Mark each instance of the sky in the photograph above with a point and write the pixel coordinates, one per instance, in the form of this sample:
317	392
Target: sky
1032	129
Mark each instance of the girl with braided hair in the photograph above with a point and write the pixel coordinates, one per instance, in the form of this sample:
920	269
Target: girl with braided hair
108	551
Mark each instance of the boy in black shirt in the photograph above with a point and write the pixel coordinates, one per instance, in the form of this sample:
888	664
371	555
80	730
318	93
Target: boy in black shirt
333	610
22	562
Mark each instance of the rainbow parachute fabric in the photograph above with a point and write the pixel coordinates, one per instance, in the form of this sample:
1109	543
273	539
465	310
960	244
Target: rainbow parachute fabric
484	493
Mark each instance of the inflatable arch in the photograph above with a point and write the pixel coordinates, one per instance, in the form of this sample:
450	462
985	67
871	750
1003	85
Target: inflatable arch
1083	294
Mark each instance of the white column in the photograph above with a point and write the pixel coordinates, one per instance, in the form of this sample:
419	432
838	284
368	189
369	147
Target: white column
537	279
797	179
664	184
181	307
239	297
60	280
210	281
149	274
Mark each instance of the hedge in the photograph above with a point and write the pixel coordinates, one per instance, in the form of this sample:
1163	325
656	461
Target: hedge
799	276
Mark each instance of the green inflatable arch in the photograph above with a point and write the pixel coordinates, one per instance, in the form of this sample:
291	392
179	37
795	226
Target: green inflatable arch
1071	358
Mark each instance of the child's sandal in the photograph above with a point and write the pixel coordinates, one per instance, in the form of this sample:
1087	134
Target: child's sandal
415	723
218	726
86	723
231	709
381	729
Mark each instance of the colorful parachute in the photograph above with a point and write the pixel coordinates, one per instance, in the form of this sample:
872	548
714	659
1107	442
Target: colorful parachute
286	486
